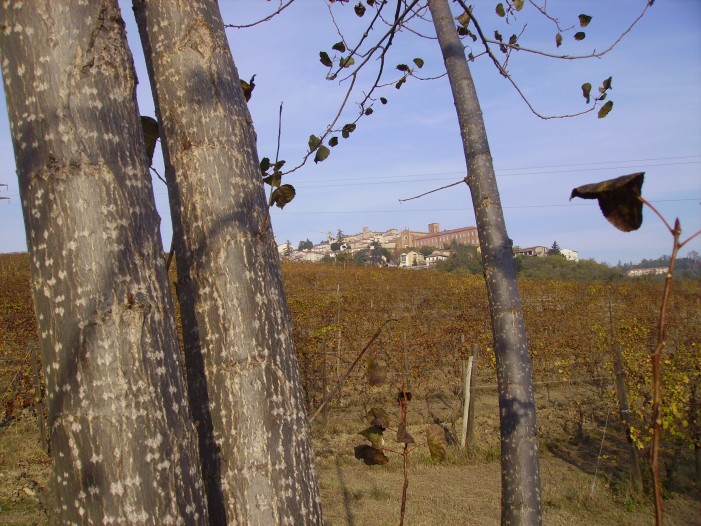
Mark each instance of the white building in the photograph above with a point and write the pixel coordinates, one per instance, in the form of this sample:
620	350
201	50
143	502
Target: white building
570	255
436	256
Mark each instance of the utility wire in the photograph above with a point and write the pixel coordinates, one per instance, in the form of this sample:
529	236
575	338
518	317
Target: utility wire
405	211
429	177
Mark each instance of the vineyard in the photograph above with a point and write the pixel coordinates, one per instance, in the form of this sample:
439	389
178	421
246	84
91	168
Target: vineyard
437	321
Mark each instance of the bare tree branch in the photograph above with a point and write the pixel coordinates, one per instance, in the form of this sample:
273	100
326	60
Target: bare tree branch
435	190
269	17
389	36
543	10
508	77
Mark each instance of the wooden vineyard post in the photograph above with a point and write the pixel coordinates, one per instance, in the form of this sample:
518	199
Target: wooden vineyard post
635	472
324	380
473	398
695	432
466	405
624	408
407	371
38	398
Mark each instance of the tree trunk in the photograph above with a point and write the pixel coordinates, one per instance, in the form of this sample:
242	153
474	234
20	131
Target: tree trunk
243	378
123	445
520	474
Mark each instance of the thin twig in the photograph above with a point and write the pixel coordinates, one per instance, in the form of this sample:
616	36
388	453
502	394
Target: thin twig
507	76
158	175
435	190
502	69
279	133
399	17
544	12
269	17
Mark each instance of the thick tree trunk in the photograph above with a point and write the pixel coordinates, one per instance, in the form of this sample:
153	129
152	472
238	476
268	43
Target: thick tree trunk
243	378
123	444
520	474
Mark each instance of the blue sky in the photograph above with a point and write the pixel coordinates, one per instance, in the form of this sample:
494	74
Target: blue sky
412	144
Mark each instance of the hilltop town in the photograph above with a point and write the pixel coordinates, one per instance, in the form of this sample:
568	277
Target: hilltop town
403	248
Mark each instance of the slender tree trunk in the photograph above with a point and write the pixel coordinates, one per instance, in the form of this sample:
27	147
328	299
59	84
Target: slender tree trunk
243	378
123	444
520	474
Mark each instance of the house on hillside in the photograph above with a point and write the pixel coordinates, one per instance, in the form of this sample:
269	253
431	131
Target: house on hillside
285	249
311	255
637	272
437	256
411	259
570	255
537	251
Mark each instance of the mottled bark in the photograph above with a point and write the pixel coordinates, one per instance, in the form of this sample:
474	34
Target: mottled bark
520	499
242	369
123	445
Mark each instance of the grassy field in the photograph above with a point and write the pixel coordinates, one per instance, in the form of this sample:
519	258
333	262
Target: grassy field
584	460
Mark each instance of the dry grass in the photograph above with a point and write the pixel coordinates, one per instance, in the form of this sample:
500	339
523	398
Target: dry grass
463	491
24	473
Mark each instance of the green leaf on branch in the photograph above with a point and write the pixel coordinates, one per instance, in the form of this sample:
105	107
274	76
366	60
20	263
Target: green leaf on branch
368	111
374	435
584	20
378	417
333	141
435	438
500	10
606	85
403	435
321	154
149	127
282	195
402	67
605	109
274	179
586	91
498	36
324	58
279	165
264	164
346	62
400	82
383	100
558	40
513	39
580	35
619	200
347	130
359	9
419	62
314	142
376	374
339	46
370	455
518	4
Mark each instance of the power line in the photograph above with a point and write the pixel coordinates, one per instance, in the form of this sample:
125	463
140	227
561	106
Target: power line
300	182
405	211
403	178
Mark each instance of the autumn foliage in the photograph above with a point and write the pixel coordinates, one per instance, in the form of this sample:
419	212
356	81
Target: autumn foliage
337	309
